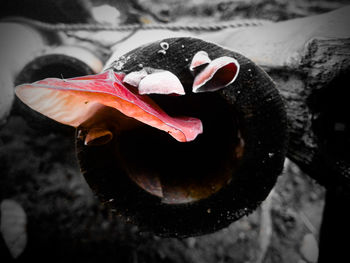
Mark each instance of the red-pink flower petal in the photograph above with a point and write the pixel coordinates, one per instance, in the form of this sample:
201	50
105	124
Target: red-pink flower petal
75	100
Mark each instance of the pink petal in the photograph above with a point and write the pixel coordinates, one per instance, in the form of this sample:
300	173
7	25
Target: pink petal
75	100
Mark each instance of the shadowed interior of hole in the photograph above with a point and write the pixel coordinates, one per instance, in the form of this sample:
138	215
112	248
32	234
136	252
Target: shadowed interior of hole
222	77
184	172
56	69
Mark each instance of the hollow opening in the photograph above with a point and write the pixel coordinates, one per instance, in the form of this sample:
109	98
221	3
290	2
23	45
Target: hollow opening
184	172
224	75
57	70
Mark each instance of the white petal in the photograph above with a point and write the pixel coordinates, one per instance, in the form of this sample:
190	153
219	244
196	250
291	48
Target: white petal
161	82
199	59
134	78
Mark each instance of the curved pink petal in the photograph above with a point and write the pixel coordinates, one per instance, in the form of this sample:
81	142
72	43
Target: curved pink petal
75	100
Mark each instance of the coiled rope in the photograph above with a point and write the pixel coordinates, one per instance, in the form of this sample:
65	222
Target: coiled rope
104	27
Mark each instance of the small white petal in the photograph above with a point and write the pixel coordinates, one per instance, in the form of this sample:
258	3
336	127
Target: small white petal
161	82
134	78
199	59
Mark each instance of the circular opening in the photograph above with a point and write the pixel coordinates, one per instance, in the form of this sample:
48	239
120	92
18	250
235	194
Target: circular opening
55	66
56	70
184	172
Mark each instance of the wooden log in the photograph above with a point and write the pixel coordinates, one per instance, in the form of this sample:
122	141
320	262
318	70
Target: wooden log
64	61
191	188
284	44
19	46
304	72
308	58
303	56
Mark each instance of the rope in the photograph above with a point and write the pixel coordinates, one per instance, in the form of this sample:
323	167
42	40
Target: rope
103	27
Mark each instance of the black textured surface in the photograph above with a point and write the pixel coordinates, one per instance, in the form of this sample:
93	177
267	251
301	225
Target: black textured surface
261	116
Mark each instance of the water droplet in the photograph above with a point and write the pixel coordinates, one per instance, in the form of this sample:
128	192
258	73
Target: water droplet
162	52
182	46
271	155
164	45
208	210
186	59
140	65
118	65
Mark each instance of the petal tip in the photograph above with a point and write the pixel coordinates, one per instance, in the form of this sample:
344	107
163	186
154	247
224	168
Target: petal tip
98	136
201	58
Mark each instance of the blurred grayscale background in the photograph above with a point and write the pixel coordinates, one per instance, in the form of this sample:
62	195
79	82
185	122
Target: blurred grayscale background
50	214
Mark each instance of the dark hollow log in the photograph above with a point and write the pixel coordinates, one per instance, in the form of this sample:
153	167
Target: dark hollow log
227	171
